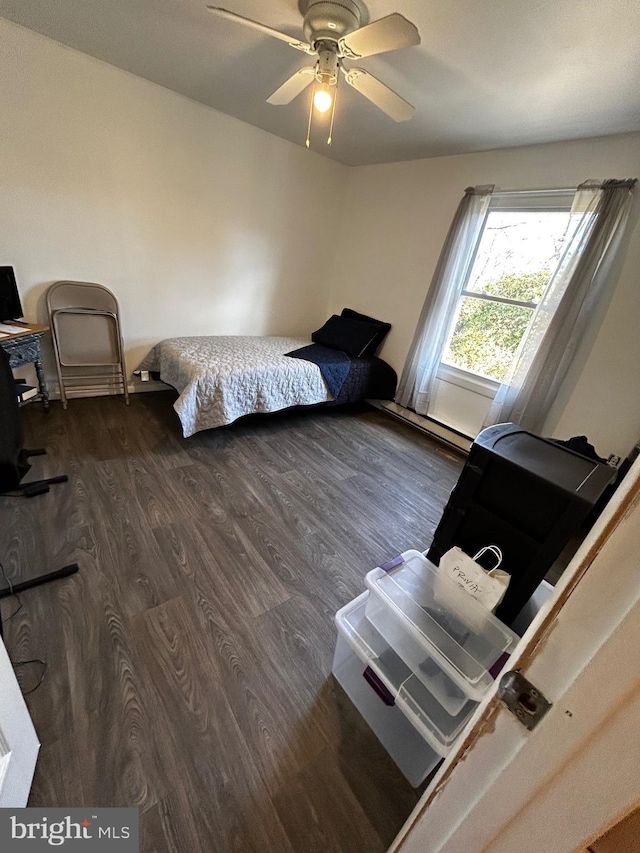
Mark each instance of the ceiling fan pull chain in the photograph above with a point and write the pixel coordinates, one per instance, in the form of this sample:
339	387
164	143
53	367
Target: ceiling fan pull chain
333	112
313	92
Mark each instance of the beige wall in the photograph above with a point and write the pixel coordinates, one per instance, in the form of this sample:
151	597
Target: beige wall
202	224
396	218
199	223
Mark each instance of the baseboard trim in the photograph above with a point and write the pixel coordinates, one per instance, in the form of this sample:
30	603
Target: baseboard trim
105	390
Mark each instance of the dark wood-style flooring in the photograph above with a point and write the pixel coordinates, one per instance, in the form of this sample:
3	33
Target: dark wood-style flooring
188	663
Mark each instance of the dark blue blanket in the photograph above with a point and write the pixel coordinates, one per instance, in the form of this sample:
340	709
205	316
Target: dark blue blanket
334	365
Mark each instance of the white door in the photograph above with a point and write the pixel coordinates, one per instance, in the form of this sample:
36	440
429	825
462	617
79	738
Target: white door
18	740
559	786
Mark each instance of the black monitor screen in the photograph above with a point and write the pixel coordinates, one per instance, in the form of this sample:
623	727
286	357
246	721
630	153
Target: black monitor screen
10	307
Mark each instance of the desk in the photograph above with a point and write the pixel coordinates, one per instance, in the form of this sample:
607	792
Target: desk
24	348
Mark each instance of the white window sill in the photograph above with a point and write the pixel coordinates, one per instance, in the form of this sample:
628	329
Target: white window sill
467	380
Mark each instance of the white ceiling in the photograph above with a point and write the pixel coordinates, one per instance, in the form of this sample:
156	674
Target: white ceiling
488	74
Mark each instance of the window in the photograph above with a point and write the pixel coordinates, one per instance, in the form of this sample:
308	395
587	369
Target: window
514	291
515	258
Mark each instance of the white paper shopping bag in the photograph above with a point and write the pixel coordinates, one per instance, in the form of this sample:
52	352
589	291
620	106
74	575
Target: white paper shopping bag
484	586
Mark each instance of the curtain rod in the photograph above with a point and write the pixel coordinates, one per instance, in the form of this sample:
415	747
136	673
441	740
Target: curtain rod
562	191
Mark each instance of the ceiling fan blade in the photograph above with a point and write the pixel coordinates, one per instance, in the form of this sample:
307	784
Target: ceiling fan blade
292	87
240	19
382	96
390	33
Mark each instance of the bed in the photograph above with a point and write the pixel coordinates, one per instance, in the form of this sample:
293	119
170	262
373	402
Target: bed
220	379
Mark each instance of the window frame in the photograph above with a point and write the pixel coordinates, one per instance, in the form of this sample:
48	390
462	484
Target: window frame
540	201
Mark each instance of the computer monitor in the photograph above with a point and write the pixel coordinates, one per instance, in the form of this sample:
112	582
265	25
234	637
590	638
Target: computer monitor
10	305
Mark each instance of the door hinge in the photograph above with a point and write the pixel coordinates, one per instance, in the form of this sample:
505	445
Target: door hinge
523	699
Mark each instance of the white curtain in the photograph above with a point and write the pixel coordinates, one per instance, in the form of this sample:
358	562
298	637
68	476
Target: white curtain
416	385
600	213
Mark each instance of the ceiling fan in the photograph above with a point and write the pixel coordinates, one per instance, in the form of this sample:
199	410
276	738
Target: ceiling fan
333	33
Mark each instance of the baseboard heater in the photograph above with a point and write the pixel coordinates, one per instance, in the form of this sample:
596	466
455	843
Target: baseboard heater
432	428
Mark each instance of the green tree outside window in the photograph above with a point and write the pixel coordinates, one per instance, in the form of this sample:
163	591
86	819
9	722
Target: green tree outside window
487	334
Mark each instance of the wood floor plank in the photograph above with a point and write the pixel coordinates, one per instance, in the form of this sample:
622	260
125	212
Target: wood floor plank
322	790
280	726
60	776
362	762
189	662
137	570
272	493
292	646
105	685
153	838
238	578
233	491
28	636
196	731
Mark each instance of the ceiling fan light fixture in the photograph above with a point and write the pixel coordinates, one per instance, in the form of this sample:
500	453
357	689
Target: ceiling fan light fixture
333	32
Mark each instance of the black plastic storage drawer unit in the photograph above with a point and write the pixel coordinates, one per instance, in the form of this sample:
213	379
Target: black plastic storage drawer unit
526	494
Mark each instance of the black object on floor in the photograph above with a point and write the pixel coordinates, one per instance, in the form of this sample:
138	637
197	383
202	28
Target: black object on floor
15	588
526	494
14	466
14	463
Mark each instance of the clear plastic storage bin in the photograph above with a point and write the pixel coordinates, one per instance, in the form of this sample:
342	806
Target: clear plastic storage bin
395	682
451	649
414	756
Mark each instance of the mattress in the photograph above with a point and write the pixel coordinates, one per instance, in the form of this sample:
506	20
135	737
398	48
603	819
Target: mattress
221	378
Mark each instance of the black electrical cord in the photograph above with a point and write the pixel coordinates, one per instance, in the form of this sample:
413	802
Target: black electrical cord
22	663
42	663
11	593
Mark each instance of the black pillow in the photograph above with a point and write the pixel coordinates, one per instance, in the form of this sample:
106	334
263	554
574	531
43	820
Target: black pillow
347	334
381	334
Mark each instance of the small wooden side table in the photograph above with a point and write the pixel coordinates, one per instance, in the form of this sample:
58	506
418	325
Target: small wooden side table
24	348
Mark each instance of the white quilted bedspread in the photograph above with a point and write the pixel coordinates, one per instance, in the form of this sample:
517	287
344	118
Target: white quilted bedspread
219	379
